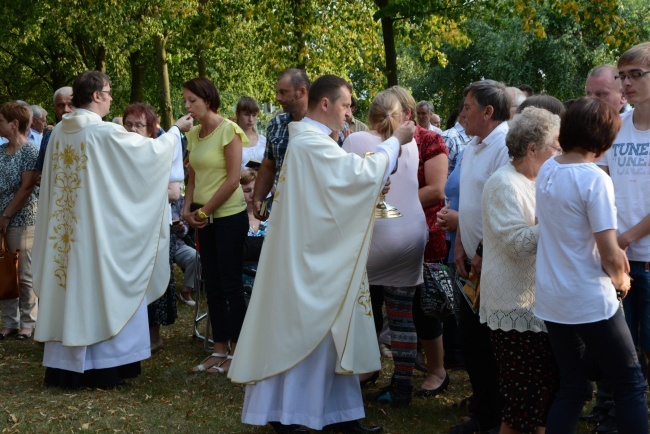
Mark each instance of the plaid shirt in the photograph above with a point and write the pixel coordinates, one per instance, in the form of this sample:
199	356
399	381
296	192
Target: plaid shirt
456	139
277	139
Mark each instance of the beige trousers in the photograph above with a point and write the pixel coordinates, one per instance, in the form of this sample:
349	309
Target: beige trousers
21	312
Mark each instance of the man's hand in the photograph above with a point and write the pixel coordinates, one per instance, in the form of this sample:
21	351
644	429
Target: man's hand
477	265
184	123
257	208
404	133
459	260
386	188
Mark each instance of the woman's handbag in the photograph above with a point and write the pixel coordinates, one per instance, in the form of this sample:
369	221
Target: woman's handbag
8	272
437	296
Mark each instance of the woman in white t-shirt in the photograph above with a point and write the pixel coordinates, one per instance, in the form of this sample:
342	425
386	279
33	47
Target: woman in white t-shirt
580	268
246	117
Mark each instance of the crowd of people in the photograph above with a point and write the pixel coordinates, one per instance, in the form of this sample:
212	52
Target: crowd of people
538	206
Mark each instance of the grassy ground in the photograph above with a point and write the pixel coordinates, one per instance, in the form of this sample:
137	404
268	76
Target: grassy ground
167	397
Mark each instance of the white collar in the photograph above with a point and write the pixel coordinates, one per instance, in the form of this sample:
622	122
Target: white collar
324	128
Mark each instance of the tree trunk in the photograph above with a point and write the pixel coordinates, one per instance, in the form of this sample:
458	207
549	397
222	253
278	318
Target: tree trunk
100	59
389	46
297	9
200	62
166	115
138	70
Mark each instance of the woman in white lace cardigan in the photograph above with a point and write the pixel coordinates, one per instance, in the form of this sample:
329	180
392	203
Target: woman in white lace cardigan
528	376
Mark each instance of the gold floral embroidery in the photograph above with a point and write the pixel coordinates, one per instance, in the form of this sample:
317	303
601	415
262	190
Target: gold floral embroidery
68	163
282	177
364	296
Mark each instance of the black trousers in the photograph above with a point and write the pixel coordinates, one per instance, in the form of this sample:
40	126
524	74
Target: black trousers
221	245
481	366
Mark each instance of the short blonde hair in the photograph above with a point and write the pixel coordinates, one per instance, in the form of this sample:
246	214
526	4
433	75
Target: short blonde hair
385	113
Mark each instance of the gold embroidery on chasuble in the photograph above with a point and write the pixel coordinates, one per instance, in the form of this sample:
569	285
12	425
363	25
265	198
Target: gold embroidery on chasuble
364	296
282	177
68	163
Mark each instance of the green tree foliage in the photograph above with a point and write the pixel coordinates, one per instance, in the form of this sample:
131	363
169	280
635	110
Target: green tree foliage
439	45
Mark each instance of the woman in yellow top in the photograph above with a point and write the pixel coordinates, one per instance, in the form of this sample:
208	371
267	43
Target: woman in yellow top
215	148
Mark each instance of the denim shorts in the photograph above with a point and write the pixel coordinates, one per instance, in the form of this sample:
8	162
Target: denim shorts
637	305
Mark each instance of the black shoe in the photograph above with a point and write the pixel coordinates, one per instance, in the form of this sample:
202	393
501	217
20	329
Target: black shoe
10	333
426	393
288	429
391	395
607	427
372	379
471	427
351	427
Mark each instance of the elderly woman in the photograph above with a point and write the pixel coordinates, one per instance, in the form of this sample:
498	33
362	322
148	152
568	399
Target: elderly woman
246	117
580	268
528	376
397	248
140	118
18	207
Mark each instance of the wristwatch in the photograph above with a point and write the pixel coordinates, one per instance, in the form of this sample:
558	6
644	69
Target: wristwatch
201	214
479	249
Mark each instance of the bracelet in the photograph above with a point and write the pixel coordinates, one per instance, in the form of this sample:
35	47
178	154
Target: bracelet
479	249
201	214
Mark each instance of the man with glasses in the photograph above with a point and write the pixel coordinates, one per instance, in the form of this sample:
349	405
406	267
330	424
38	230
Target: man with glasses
92	279
627	162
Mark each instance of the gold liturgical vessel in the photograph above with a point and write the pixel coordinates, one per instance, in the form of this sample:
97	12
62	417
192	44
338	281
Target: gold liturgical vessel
383	210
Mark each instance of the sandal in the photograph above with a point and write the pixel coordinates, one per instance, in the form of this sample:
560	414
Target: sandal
217	369
201	368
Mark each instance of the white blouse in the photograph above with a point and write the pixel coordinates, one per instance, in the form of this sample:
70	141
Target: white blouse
509	250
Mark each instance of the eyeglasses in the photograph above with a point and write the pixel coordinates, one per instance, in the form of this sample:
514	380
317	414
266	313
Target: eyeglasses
109	92
136	126
633	75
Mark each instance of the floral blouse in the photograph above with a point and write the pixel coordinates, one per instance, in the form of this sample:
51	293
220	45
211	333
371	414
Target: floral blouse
12	168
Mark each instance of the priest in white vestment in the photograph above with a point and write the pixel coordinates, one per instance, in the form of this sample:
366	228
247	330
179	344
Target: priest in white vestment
309	329
101	241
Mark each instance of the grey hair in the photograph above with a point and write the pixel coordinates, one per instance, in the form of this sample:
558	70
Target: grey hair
602	69
515	96
425	103
66	90
21	102
533	125
38	112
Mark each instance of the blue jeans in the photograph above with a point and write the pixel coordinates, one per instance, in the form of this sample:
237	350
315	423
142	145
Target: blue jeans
609	343
637	305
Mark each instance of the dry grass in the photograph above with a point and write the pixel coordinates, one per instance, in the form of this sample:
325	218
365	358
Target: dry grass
169	398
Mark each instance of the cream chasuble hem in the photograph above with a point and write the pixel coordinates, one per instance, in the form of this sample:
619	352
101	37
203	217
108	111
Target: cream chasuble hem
311	279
